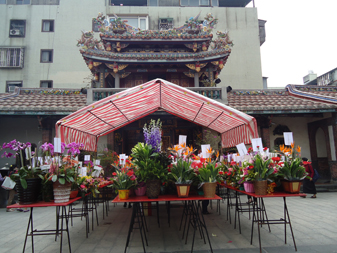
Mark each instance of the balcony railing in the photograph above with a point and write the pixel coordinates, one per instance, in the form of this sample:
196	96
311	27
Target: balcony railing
217	93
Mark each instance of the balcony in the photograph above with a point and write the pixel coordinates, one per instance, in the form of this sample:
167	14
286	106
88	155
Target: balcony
217	93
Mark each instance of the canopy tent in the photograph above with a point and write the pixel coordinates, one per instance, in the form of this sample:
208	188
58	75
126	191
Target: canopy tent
111	113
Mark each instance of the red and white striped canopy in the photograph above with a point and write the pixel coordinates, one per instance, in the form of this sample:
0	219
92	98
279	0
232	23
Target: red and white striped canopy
111	113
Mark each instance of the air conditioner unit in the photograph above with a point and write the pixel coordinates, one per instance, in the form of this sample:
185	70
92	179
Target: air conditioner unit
11	88
15	32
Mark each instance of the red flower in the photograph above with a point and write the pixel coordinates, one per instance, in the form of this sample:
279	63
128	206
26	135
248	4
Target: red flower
251	167
114	173
220	172
233	163
265	149
202	160
250	149
130	173
168	169
276	159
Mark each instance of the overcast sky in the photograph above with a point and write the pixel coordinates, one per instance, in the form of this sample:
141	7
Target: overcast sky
301	35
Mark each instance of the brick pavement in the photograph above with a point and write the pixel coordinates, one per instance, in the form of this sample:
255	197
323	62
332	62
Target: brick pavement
313	220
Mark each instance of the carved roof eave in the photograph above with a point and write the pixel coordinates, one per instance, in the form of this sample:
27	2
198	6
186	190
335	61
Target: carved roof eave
146	58
136	39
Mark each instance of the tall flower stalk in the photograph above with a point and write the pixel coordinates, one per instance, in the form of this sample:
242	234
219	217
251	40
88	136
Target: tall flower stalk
152	134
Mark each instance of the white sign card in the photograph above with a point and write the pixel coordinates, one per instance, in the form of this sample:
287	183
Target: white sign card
122	158
40	160
97	171
234	156
229	156
266	152
57	145
204	149
257	142
288	138
182	139
83	171
242	149
98	162
33	162
45	167
80	164
87	158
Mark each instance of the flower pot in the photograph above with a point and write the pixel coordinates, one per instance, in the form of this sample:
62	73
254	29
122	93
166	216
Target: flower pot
209	189
31	194
260	187
153	188
140	191
291	186
249	186
61	192
183	190
123	194
73	194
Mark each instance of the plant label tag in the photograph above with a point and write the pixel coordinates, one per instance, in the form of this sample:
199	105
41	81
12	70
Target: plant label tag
242	149
288	138
204	149
57	145
87	158
182	139
122	159
257	144
98	162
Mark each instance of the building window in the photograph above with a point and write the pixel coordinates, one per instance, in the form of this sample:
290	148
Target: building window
195	3
22	1
2	1
11	57
17	28
10	85
137	22
165	23
46	84
215	2
128	2
153	2
47	25
46	55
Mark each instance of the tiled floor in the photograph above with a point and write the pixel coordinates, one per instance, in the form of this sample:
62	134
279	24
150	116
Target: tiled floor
314	223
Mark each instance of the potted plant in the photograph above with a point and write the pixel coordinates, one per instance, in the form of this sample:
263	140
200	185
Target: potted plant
209	176
123	180
148	168
262	172
182	174
292	172
27	178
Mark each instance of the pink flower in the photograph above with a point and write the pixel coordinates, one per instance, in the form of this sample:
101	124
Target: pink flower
83	186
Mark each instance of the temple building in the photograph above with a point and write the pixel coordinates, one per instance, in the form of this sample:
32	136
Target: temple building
183	42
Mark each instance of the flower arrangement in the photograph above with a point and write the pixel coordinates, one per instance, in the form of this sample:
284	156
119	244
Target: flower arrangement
88	184
152	134
124	179
24	171
292	168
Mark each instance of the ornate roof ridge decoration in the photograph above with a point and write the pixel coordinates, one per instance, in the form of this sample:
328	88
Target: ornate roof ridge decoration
221	53
296	91
308	88
154	34
259	92
51	91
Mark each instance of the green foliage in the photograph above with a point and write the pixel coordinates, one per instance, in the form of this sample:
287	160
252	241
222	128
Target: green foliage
26	173
64	175
149	165
181	172
293	169
262	168
209	173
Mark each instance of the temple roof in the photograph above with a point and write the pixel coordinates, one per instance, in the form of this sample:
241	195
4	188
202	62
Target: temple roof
65	101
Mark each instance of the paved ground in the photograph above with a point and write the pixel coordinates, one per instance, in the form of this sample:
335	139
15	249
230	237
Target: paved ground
313	220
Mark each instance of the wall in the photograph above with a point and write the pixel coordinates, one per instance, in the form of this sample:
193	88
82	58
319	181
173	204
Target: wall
68	70
13	130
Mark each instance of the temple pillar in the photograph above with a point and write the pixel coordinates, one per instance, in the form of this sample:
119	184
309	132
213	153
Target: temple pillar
117	81
196	79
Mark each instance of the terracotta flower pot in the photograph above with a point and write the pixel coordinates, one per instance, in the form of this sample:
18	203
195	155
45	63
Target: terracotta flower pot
183	190
291	186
